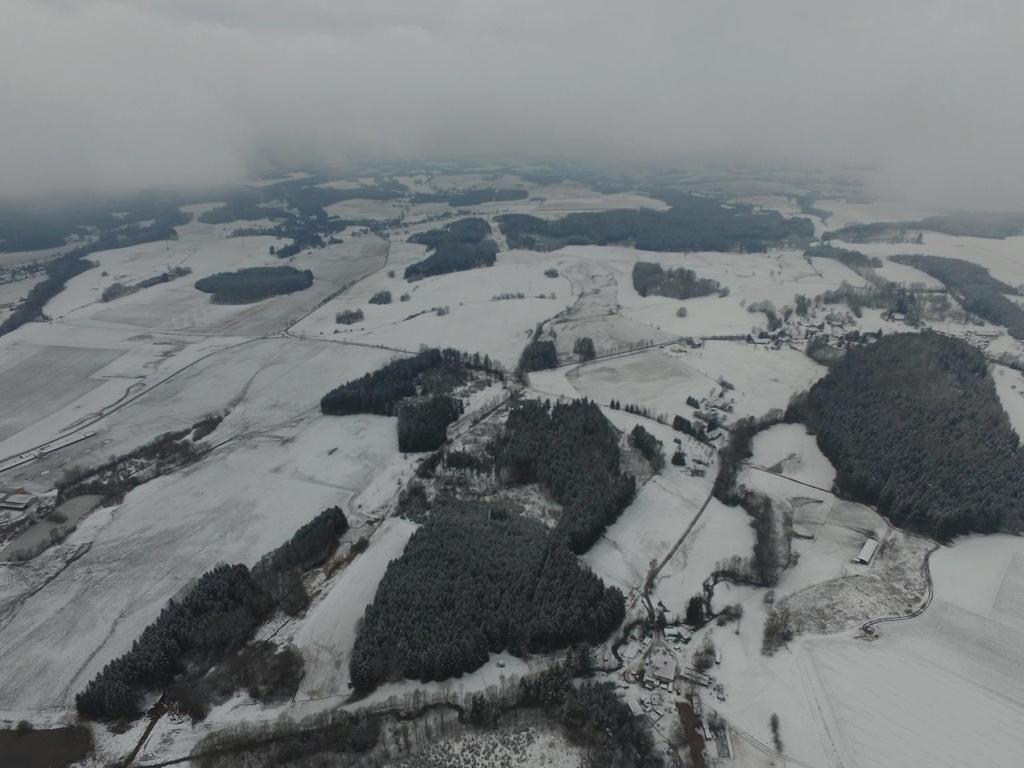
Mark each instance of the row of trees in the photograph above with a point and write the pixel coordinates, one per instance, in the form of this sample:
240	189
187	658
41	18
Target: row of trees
58	272
676	283
214	619
117	290
914	425
648	445
573	452
473	580
254	283
855	260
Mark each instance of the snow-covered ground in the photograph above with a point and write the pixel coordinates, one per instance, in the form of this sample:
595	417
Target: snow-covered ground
472	318
1010	386
327	632
946	688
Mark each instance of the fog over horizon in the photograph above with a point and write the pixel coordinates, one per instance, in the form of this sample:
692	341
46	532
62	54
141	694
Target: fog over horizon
111	95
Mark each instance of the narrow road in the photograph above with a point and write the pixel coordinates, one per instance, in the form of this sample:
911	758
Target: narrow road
868	627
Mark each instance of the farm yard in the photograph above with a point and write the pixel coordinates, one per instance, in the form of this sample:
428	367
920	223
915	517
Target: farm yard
96	379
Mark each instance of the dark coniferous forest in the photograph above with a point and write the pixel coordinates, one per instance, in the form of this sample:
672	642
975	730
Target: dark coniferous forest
573	452
538	355
423	422
456	247
433	370
215	618
650	279
379	392
474	580
693	223
254	283
913	424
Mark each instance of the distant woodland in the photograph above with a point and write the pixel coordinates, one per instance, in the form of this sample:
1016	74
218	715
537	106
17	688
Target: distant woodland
650	279
855	260
465	197
474	580
124	232
914	425
58	272
693	223
254	283
572	451
963	224
456	247
976	290
100	225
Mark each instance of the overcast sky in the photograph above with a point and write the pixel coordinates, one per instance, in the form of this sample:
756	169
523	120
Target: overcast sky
135	93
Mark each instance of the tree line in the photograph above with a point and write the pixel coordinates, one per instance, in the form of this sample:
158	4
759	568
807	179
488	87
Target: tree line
477	579
215	618
961	224
974	287
855	260
692	223
118	290
648	445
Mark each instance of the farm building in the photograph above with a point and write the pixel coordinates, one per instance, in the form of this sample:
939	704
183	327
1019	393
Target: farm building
867	552
17	500
664	668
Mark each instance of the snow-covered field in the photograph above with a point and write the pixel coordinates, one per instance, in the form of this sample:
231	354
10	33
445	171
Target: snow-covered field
946	688
233	506
1010	386
473	320
327	632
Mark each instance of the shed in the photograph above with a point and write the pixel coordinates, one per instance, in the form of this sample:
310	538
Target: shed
867	552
